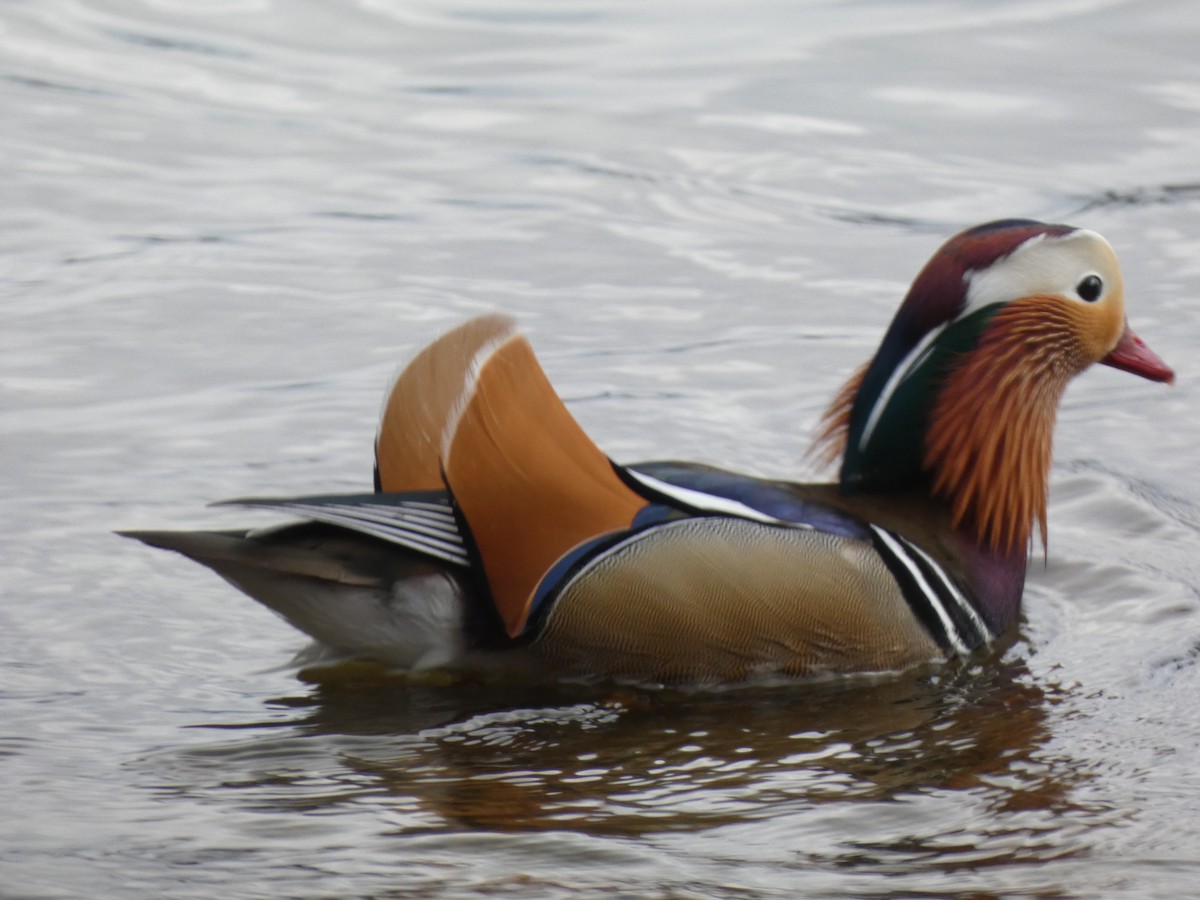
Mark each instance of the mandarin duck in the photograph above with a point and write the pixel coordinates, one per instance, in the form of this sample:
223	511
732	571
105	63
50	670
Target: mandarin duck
498	531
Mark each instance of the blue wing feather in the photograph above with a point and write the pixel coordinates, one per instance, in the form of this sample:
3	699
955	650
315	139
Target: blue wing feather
768	498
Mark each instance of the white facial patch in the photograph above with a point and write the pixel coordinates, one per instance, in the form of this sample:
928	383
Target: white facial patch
1044	264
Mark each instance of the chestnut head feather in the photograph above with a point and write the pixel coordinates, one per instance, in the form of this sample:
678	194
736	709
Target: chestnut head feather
962	394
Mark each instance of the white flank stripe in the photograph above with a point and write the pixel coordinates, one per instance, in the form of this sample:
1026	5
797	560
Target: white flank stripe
963	603
934	601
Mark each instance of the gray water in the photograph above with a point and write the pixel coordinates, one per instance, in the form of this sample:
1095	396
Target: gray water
224	225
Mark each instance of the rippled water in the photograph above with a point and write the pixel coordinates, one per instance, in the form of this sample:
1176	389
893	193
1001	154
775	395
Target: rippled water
225	224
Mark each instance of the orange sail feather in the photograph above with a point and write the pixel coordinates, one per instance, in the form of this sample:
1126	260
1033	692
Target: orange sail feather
529	482
423	400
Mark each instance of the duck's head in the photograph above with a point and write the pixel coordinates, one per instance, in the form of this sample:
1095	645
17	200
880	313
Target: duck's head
961	396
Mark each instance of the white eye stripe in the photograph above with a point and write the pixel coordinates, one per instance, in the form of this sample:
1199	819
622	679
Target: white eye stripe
1044	265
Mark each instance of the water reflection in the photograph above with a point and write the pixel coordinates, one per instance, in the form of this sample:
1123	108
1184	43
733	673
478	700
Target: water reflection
951	763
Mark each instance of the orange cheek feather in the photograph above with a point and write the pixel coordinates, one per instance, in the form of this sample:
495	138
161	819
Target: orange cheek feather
1099	327
989	443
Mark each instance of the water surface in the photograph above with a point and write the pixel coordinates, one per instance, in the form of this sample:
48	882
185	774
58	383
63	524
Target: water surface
224	226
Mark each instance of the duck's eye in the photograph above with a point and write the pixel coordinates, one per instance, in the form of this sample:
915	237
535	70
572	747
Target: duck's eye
1090	288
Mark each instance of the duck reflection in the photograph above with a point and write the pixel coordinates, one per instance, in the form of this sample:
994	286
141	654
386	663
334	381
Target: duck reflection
499	757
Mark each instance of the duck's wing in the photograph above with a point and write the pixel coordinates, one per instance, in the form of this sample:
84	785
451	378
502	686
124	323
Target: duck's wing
420	521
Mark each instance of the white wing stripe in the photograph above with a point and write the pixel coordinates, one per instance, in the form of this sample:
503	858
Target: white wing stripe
431	529
418	522
441	529
706	502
